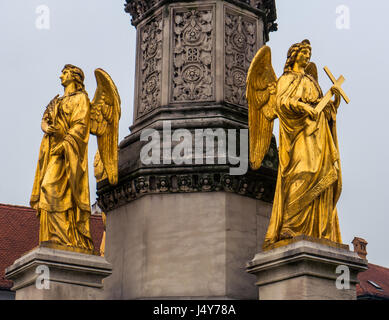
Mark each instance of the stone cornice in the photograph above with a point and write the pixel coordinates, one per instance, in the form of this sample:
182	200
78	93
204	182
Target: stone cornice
258	185
140	9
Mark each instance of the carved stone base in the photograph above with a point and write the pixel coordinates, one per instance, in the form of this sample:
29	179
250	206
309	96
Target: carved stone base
52	274
307	270
184	246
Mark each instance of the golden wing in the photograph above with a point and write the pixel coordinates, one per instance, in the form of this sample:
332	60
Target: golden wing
105	115
261	86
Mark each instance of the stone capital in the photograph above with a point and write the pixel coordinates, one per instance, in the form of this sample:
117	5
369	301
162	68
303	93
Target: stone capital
140	9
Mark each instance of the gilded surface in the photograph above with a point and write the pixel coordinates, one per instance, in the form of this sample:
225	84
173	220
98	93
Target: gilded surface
61	187
309	176
102	245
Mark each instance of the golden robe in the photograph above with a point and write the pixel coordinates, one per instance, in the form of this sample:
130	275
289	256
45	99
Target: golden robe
309	177
61	187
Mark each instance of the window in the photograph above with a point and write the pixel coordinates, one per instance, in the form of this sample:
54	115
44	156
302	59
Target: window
374	285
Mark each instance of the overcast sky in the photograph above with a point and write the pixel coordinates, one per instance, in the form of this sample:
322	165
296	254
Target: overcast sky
98	33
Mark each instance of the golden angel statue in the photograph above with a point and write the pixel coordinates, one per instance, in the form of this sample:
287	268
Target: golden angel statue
60	192
309	179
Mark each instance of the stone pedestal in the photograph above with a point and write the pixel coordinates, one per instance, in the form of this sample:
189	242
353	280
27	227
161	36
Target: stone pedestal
307	270
52	274
184	246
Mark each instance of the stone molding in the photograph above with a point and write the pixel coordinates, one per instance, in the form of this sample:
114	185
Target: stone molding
140	9
256	185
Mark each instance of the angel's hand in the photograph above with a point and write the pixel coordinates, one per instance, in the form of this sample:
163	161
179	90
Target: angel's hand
54	130
58	150
312	113
51	129
335	91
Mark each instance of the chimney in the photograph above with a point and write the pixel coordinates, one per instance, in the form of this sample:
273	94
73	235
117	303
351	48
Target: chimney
360	247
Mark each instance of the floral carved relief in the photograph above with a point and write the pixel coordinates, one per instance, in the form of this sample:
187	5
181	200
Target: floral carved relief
193	65
240	48
150	66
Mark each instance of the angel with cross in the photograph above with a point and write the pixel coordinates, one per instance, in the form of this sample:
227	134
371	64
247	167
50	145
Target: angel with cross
309	179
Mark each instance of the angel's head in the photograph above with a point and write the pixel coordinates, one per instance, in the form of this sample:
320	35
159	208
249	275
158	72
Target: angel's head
298	53
74	74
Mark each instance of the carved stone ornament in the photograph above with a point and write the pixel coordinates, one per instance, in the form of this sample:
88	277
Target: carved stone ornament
251	185
240	46
193	65
150	66
140	8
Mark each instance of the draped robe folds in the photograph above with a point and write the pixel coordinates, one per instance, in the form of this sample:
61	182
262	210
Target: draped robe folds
309	177
61	187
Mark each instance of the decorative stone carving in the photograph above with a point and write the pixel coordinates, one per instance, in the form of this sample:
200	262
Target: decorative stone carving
227	182
193	65
139	8
206	183
250	185
184	183
150	66
240	46
163	184
141	185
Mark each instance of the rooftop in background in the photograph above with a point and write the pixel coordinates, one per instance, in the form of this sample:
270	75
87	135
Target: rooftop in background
19	233
374	282
371	280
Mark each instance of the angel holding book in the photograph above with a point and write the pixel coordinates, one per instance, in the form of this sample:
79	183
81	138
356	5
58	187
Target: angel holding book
309	179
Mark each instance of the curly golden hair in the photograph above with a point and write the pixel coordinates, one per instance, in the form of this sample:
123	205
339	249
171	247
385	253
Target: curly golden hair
77	74
293	52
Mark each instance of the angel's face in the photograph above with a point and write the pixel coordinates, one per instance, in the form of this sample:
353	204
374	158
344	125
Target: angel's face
303	57
66	77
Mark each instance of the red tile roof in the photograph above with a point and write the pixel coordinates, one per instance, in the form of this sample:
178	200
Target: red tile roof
378	275
19	233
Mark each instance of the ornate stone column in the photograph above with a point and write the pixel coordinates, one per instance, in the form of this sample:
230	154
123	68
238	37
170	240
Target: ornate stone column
187	230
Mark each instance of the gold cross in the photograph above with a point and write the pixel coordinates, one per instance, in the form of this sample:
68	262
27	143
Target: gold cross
329	94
